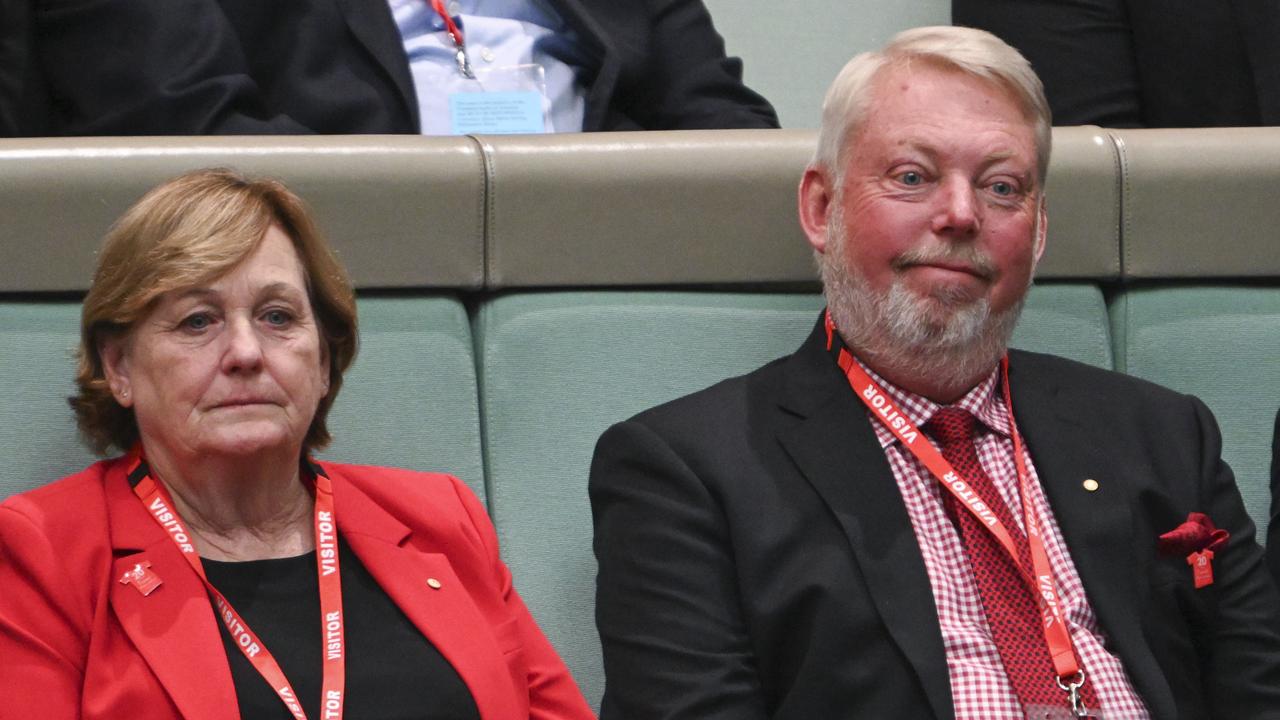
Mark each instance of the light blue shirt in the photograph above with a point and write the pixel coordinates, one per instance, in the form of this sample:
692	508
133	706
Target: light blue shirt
498	33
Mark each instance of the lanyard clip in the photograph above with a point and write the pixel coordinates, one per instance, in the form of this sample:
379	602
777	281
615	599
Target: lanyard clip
1073	694
464	64
455	33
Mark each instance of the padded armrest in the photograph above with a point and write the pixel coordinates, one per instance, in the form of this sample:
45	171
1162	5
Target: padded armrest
1200	203
400	211
647	208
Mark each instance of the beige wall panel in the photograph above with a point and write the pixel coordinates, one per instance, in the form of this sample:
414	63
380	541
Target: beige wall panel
1083	191
401	211
647	208
1201	203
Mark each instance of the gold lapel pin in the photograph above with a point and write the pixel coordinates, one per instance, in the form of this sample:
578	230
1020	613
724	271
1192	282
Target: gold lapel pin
1090	485
434	584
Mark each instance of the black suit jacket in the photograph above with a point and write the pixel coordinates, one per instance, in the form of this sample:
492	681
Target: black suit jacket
756	559
192	67
18	108
1145	63
1273	529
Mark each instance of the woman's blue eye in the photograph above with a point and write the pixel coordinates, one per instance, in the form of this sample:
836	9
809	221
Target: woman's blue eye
199	321
1002	188
277	317
912	177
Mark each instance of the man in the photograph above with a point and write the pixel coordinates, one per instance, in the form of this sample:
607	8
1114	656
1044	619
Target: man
195	67
854	531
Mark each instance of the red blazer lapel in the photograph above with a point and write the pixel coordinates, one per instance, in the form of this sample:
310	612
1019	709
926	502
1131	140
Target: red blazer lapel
426	588
173	627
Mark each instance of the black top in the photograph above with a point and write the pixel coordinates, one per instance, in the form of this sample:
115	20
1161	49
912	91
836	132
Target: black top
393	672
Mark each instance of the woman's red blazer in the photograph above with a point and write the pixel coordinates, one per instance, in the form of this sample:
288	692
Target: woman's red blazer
77	643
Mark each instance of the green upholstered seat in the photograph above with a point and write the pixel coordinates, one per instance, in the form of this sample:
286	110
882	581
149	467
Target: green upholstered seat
1222	344
558	368
1067	319
410	398
37	374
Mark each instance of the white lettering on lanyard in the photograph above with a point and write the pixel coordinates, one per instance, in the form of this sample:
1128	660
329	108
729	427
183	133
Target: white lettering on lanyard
1049	610
961	490
333	635
286	694
238	632
892	418
328	548
169	522
332	703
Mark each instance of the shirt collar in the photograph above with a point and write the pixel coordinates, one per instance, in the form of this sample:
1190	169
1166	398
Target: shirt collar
983	401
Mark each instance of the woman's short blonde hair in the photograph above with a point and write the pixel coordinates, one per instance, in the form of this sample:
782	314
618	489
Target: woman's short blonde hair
184	233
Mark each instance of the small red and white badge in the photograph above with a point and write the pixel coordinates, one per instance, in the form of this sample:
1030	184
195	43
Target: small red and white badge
1201	567
142	578
1196	538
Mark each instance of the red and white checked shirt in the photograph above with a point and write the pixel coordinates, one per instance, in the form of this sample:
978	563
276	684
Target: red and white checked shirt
980	689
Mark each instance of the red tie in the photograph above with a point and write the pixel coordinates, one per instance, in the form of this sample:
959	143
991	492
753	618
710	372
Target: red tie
1012	612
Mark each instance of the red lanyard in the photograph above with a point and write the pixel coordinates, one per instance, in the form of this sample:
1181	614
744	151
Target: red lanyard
455	32
459	42
158	502
1040	579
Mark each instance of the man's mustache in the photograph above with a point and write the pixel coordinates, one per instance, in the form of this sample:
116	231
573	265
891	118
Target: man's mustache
966	257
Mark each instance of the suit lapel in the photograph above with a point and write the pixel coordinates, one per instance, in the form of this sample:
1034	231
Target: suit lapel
1068	445
837	451
372	24
441	610
173	628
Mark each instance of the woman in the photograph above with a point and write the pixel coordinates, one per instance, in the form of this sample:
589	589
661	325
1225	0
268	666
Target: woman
214	570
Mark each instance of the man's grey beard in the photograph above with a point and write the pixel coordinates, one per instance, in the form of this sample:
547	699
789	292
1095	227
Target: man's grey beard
913	335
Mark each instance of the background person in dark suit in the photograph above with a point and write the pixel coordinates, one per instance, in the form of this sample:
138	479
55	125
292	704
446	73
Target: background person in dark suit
772	548
194	67
16	105
1144	63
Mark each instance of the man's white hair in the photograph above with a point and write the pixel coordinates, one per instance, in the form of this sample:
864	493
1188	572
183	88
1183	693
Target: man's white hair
967	50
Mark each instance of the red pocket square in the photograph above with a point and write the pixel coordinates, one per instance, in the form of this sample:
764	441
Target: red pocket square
1196	534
